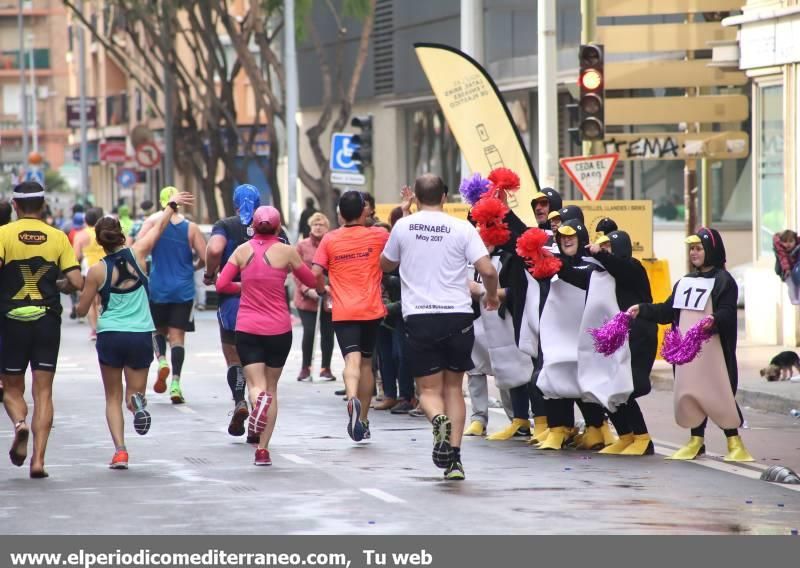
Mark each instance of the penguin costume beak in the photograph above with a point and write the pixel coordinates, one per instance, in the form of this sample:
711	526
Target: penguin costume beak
693	240
567	231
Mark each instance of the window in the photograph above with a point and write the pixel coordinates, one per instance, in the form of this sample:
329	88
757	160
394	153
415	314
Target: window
769	164
432	147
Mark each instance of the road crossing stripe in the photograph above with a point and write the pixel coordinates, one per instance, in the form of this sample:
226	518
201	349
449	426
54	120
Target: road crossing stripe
382	495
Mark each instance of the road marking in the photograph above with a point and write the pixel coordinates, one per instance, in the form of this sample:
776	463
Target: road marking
382	495
185	409
296	459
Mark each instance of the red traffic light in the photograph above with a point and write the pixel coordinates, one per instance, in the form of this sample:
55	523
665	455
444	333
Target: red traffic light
591	79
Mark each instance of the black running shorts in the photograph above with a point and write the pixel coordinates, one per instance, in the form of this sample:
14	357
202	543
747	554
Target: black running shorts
271	350
439	342
357	336
176	315
120	349
35	343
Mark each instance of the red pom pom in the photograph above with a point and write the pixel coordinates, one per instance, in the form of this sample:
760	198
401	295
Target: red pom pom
489	210
505	179
546	267
530	244
495	234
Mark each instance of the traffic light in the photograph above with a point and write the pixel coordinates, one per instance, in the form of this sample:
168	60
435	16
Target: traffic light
591	105
362	141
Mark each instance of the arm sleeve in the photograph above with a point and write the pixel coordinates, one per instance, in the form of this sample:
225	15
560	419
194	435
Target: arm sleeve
475	248
725	314
305	276
219	229
662	313
391	251
321	256
225	283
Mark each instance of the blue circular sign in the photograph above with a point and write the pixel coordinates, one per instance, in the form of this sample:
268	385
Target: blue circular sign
126	178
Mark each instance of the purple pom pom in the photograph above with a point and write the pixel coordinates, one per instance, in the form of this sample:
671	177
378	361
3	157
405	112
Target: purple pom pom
612	335
679	351
473	187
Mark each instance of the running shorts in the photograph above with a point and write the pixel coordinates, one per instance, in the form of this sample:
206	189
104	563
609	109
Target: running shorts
357	336
175	315
35	343
271	350
227	311
439	342
120	349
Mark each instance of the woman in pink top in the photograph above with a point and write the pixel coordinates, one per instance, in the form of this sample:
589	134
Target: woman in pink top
263	325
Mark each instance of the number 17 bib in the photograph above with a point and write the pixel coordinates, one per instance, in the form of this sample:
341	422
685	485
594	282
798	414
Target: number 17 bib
693	294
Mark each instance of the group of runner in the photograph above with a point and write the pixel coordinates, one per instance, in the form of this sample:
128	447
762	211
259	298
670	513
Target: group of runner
249	258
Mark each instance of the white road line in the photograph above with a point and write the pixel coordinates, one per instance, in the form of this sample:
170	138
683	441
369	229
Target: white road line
296	459
185	409
382	495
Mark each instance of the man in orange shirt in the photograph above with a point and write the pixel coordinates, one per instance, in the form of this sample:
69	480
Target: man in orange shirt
351	255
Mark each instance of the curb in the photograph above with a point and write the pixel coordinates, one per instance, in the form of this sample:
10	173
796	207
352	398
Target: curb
766	402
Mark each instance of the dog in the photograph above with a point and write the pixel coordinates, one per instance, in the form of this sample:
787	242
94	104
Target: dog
781	367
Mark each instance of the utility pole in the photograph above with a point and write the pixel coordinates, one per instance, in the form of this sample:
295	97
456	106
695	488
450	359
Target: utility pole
35	125
471	43
22	89
588	31
290	56
548	93
169	95
84	119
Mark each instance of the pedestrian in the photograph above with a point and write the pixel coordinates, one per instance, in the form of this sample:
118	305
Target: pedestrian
787	253
172	291
125	327
89	253
351	256
705	386
304	224
433	251
32	255
310	305
145	208
124	216
263	323
227	235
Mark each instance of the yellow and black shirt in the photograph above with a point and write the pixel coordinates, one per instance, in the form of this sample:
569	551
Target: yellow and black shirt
33	255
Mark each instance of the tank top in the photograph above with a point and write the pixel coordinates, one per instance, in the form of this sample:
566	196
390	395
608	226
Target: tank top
263	309
124	309
172	275
93	253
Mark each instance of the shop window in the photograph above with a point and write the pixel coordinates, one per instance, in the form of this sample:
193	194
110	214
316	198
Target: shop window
769	166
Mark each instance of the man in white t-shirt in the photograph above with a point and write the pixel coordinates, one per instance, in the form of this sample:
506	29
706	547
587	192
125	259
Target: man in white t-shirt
433	251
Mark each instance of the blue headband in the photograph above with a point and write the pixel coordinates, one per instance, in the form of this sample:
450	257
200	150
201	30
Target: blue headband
247	199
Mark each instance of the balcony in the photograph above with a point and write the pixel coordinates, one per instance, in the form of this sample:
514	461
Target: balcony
117	110
9	62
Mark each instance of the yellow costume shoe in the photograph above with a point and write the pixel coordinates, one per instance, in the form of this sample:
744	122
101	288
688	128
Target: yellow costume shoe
476	428
608	436
507	433
539	438
592	439
539	425
555	439
690	451
736	451
619	446
642	446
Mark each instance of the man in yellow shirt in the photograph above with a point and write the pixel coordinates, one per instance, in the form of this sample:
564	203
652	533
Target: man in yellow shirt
89	253
32	255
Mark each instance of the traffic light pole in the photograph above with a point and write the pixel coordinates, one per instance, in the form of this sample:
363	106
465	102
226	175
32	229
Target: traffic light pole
588	31
548	94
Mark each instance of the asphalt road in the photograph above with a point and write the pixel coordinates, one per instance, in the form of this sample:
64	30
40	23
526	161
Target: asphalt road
189	476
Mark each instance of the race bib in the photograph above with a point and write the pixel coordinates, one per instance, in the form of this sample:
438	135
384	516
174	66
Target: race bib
693	294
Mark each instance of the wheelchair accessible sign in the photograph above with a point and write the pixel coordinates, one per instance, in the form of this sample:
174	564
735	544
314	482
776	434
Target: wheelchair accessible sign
343	169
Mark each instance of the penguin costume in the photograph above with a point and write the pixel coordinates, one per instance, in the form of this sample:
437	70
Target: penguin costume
706	386
632	287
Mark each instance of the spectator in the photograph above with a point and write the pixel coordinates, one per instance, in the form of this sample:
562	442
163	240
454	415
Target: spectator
787	251
303	225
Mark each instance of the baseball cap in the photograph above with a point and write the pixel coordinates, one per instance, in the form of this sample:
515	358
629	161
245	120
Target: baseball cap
166	195
78	220
266	217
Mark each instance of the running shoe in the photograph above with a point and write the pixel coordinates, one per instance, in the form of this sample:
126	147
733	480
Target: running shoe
262	457
340	392
305	374
141	417
175	394
120	460
240	414
402	407
355	428
367	433
455	471
73	314
258	416
442	450
163	374
325	375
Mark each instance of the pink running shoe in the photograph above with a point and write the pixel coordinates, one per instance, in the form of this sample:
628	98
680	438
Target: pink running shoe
258	416
262	457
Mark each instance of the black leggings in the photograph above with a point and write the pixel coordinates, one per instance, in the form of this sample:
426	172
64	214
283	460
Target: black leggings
527	396
309	320
561	412
628	419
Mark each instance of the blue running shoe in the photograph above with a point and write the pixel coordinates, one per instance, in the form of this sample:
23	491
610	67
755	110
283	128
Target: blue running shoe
354	426
141	417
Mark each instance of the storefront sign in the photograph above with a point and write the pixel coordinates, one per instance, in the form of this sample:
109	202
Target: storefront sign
635	217
770	42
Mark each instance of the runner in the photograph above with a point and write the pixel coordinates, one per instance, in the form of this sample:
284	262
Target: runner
172	291
433	251
125	327
31	255
89	253
226	236
351	255
263	324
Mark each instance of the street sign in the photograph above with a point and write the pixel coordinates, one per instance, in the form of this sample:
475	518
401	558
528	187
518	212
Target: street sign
35	174
670	73
645	38
679	145
74	112
342	149
348	179
590	173
126	178
113	151
674	110
148	155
